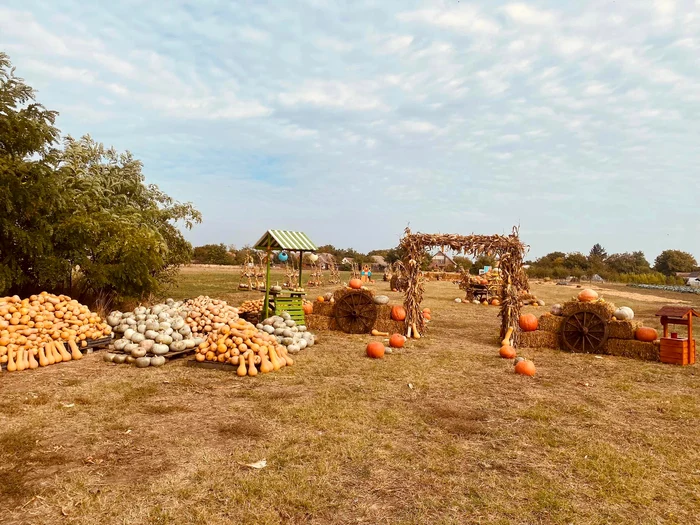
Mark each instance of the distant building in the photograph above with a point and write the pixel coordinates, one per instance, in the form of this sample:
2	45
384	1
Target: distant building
325	260
378	263
347	260
440	261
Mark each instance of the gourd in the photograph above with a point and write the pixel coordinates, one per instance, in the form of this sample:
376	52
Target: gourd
355	284
75	352
138	352
647	334
119	359
557	309
120	344
252	371
587	295
32	361
130	360
58	358
50	356
506	339
398	313
108	357
43	361
273	359
11	365
159	349
528	322
495	302
525	368
158	360
397	341
375	350
241	367
62	349
308	308
377	333
142	362
20	360
507	352
265	365
137	338
381	299
624	313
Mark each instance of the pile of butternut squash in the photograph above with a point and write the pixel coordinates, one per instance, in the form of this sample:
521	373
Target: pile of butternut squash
45	329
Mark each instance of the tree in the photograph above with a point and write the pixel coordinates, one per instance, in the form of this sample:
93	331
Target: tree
671	261
213	254
463	263
598	252
481	261
628	263
576	261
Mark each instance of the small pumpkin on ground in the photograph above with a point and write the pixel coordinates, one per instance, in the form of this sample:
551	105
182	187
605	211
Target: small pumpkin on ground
495	302
375	350
525	368
397	341
507	352
528	322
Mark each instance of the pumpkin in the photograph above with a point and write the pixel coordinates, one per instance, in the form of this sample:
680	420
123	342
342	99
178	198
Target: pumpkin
398	313
556	309
320	299
355	284
426	311
397	341
495	302
375	350
587	295
525	368
485	303
624	313
427	316
507	352
381	299
308	308
645	333
528	322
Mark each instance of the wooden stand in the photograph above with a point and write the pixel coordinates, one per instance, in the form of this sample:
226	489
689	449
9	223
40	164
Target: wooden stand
677	350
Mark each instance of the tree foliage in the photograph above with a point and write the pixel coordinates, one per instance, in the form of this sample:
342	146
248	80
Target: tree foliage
671	261
83	206
214	254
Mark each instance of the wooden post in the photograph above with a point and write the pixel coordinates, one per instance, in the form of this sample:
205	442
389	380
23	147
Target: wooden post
266	309
301	263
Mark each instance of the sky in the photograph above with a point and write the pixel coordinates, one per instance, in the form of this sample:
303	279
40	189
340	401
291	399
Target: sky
577	121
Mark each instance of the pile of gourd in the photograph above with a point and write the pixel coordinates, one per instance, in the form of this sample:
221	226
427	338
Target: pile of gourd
251	307
240	343
148	334
34	331
287	333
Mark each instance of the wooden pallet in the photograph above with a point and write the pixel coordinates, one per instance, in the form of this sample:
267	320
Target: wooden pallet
169	356
211	365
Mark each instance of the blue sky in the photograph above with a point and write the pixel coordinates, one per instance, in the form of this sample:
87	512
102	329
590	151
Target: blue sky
580	121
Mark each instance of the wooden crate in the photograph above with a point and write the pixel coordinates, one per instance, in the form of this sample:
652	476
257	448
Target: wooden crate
293	306
677	351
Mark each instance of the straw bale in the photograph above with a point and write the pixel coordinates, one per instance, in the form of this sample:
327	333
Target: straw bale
386	324
384	311
632	348
550	323
325	308
622	329
603	309
342	292
539	339
316	322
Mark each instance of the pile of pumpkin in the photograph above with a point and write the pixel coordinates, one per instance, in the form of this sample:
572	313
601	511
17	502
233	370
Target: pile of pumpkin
287	333
34	331
521	365
251	307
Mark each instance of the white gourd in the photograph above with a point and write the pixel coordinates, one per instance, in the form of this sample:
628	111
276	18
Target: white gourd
164	339
119	358
151	334
130	360
143	362
128	333
189	343
130	347
158	360
137	337
130	321
147	344
139	352
119	344
302	344
108	357
159	349
177	336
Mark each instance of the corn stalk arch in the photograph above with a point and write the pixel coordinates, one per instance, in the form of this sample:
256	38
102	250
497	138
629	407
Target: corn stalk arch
510	250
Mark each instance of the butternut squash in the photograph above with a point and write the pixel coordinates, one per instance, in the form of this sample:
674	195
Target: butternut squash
62	350
43	361
273	359
241	366
11	365
265	365
506	339
252	371
20	360
32	361
75	352
50	355
377	333
416	334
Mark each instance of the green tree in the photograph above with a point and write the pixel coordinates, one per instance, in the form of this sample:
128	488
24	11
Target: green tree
463	263
213	254
576	261
481	261
598	252
628	263
671	261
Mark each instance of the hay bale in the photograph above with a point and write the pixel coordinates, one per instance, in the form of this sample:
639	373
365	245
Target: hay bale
325	308
316	322
603	309
340	293
632	348
386	324
550	323
539	339
622	329
384	311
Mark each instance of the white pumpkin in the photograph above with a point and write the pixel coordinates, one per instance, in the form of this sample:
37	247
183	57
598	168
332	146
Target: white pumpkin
556	309
624	313
159	349
158	360
143	362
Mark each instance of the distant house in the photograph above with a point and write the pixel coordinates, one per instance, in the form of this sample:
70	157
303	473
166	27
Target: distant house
688	275
378	263
347	260
325	260
440	261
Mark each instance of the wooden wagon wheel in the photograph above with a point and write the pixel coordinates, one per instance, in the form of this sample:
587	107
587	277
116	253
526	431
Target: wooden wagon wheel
584	332
355	313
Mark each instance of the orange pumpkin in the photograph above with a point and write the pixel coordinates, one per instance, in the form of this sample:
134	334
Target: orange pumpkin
427	316
587	295
398	313
308	308
525	368
375	350
528	322
644	333
496	302
507	352
397	341
320	299
355	284
427	311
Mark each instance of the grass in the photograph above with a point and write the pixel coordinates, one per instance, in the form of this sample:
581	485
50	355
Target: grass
440	432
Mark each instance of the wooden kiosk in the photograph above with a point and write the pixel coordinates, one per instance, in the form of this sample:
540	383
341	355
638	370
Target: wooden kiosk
284	240
674	349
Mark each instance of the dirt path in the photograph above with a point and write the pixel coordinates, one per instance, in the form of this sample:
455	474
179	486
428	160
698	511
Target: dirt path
644	298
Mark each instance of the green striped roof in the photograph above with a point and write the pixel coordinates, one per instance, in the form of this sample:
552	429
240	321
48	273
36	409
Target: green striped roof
285	240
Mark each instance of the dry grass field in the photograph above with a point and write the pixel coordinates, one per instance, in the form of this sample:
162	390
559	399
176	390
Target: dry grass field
441	432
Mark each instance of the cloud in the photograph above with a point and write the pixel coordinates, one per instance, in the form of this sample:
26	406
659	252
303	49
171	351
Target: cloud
421	105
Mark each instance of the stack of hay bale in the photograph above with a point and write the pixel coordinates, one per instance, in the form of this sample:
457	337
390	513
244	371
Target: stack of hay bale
323	314
621	338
